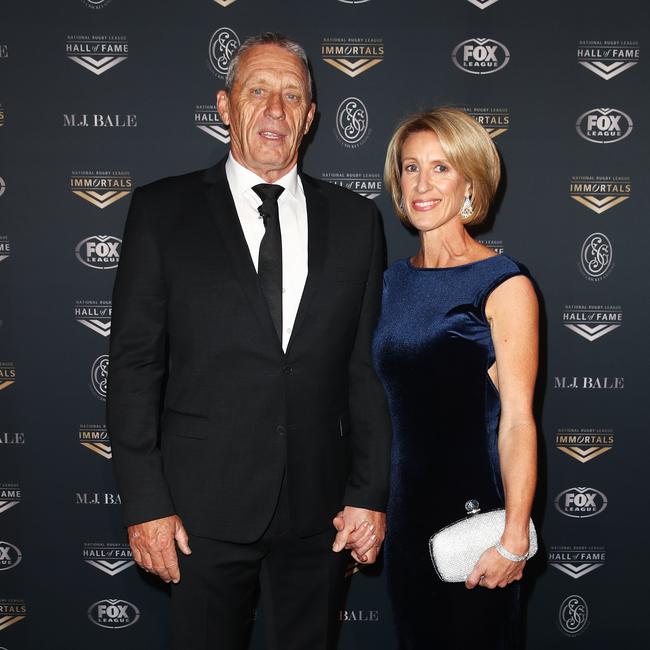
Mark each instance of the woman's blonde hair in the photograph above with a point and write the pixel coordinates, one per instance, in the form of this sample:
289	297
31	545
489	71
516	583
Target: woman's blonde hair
468	148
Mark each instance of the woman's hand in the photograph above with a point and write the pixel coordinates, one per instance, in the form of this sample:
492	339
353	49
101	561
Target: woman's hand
493	570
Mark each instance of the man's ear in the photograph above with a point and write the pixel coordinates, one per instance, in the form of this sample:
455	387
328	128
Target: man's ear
223	106
310	117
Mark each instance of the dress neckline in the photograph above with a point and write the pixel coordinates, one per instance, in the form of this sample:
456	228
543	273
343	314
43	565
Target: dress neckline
410	265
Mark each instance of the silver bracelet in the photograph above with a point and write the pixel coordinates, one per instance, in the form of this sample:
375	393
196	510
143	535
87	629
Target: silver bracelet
508	555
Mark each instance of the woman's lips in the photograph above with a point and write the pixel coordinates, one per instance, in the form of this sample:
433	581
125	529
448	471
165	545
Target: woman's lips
422	206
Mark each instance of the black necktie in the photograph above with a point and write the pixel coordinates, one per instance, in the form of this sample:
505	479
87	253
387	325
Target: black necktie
269	265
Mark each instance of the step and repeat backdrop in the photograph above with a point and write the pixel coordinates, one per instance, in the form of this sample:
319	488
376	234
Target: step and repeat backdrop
100	96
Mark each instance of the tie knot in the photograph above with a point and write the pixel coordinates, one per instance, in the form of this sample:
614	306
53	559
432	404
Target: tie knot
268	192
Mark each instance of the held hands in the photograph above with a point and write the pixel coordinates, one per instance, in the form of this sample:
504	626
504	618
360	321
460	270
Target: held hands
493	570
153	544
361	531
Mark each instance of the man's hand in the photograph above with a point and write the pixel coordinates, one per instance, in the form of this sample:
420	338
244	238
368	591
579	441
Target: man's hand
153	547
360	530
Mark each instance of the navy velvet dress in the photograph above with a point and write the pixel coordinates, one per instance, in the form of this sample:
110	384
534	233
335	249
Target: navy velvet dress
432	350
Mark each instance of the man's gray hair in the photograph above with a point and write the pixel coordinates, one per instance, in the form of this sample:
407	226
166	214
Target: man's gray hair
268	38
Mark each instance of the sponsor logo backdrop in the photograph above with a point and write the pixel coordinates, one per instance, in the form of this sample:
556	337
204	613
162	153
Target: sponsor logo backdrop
94	101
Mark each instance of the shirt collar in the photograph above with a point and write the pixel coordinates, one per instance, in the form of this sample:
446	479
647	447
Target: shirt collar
241	180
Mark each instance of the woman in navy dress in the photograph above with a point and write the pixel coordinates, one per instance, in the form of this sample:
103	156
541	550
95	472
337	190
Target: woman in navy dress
456	349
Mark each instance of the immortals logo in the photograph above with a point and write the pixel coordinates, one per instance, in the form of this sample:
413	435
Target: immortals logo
480	56
95	438
96	4
589	383
99	377
3	186
592	322
573	617
10	556
359	615
5	248
7	374
596	257
584	444
368	185
600	193
11	438
352	123
10	496
495	244
604	125
107	557
608	58
496	121
223	45
208	120
11	611
97	499
97	53
581	502
113	613
101	188
95	315
99	251
353	56
101	120
483	4
576	561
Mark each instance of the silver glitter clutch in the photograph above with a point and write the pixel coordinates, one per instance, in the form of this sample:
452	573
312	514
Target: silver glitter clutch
455	549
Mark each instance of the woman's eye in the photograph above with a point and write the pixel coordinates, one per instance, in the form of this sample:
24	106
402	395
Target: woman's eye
441	168
411	168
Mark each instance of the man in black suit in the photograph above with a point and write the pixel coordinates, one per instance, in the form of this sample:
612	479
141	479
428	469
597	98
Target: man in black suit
243	409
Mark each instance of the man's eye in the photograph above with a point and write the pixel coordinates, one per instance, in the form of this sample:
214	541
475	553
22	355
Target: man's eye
257	91
292	97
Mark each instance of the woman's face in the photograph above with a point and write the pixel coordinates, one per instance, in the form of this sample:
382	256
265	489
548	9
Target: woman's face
432	190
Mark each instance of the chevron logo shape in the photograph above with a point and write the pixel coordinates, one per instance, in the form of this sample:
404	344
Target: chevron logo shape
607	71
495	132
591	332
353	68
97	65
219	132
101	199
224	3
6	621
576	571
482	4
584	455
3	257
111	568
98	326
7	383
5	505
100	448
599	205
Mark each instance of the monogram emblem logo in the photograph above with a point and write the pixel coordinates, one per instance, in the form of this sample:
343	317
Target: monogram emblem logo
223	44
99	375
573	615
352	120
596	255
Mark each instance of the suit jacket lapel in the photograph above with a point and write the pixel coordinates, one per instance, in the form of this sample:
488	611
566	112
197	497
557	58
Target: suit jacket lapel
223	215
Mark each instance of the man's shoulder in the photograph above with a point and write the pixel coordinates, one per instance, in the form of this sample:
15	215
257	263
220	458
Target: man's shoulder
174	186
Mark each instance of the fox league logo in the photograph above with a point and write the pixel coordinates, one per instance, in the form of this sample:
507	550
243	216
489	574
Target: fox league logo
10	556
99	251
113	613
604	125
581	502
480	56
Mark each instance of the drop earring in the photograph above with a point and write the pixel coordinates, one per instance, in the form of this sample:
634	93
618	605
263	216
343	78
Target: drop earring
468	209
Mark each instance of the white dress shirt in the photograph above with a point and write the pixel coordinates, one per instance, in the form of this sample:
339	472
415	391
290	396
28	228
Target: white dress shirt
292	209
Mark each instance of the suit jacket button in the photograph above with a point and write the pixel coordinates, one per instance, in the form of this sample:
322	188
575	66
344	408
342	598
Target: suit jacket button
281	430
287	370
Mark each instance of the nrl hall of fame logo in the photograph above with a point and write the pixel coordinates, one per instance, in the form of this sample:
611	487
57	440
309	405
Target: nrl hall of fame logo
496	121
600	193
96	4
110	558
113	613
95	438
592	322
480	56
607	59
495	244
581	502
224	42
95	315
352	123
573	615
99	376
12	610
368	185
596	257
7	374
208	120
482	4
353	56
101	188
604	125
583	443
99	251
10	496
97	54
5	248
576	561
10	556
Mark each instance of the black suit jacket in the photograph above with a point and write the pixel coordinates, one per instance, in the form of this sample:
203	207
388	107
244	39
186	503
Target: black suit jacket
205	410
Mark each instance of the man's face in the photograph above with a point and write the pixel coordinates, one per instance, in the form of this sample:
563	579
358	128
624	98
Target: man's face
268	110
